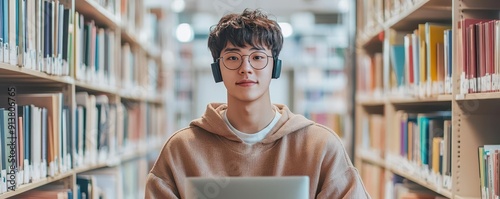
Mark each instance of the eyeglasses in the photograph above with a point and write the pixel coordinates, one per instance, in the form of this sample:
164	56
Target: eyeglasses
232	60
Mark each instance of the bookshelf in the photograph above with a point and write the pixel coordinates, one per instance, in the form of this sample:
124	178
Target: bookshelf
467	105
91	90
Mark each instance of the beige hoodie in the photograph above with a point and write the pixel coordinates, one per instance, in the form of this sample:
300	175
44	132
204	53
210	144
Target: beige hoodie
295	146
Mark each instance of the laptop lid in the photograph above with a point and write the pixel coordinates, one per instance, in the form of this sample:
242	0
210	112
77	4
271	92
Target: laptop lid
262	187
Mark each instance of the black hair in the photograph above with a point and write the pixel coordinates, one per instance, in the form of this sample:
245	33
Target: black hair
251	27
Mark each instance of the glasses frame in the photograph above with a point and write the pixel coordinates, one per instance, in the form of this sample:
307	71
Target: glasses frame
249	62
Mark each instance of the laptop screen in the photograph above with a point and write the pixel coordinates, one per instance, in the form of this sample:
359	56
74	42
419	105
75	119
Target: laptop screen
262	187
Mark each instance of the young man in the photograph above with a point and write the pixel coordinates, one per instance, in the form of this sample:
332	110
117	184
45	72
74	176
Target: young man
249	135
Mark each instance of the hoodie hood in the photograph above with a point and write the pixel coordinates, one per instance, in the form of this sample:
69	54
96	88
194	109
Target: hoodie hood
212	121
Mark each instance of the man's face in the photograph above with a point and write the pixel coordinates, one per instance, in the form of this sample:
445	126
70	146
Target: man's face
246	83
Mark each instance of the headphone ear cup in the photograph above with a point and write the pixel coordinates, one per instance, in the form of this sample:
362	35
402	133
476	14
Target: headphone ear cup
216	72
277	68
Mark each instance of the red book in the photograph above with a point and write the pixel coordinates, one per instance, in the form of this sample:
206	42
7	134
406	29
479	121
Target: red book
463	26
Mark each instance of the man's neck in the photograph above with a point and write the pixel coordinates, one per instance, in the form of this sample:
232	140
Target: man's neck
250	117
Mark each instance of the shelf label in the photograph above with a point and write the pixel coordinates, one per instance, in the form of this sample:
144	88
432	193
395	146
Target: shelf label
488	82
33	59
13	55
494	82
40	62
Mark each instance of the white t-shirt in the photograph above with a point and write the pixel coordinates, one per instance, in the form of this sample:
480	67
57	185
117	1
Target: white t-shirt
252	138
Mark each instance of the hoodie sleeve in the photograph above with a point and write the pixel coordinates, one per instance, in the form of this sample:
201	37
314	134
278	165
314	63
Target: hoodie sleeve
159	188
341	179
344	185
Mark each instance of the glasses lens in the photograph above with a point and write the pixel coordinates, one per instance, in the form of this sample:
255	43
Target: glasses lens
258	60
232	60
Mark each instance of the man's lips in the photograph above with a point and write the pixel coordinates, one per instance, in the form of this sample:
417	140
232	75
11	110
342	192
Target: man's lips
246	83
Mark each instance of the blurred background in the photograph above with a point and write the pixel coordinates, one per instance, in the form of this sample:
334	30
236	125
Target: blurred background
318	58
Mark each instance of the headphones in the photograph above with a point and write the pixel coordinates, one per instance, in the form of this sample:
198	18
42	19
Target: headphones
218	75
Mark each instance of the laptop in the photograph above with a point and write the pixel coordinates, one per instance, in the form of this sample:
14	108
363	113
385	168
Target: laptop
262	187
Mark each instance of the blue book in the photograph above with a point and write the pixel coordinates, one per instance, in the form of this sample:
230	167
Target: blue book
5	21
96	52
450	54
2	140
27	131
46	30
397	53
1	20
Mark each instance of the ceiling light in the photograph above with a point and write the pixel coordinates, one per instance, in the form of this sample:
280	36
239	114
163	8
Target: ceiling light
286	29
178	5
184	32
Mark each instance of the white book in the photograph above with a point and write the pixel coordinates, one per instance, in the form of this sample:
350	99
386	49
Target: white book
60	23
80	135
31	46
38	35
53	103
89	102
100	73
21	32
12	32
36	140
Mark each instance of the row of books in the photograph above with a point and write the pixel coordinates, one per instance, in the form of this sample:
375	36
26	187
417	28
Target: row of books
423	138
382	183
419	143
36	35
375	13
421	59
420	63
373	134
112	182
95	61
478	46
39	139
489	166
48	36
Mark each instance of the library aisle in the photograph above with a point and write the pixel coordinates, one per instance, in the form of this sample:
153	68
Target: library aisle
427	98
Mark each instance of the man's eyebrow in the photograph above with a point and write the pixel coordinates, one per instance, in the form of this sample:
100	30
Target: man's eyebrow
238	49
231	49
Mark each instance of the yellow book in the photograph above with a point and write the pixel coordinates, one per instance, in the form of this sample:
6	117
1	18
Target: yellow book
436	153
422	60
434	35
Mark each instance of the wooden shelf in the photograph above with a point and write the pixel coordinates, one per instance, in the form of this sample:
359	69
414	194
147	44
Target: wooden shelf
94	88
374	159
409	176
421	12
27	187
370	40
480	5
92	10
371	102
370	157
124	158
478	96
15	74
433	99
141	97
406	100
